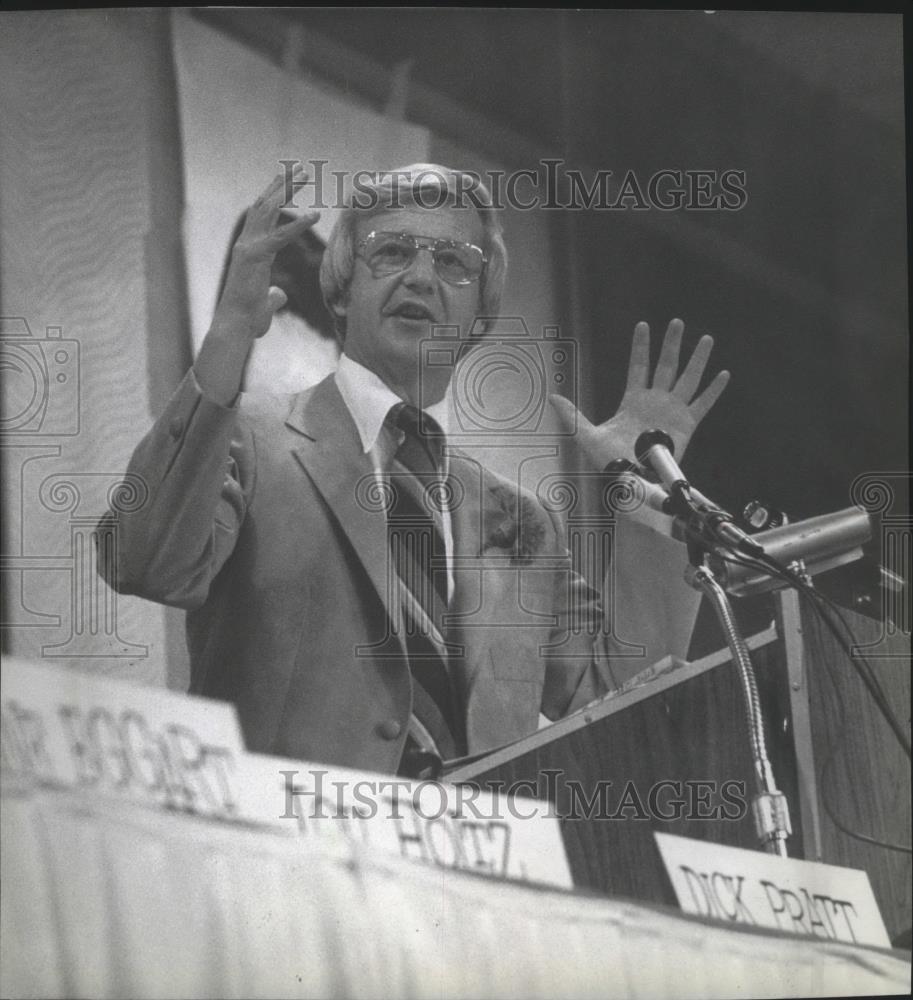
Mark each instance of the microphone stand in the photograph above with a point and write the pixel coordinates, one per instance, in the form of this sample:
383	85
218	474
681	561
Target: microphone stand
769	806
708	527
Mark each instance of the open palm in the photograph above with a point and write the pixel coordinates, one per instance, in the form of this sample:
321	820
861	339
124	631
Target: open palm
668	402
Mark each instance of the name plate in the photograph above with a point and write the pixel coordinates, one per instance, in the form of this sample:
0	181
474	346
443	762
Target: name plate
450	826
68	729
764	890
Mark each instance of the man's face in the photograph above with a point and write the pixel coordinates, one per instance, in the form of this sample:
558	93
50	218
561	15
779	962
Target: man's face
388	317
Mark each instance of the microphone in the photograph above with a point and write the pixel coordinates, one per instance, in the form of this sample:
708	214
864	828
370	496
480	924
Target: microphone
818	543
656	449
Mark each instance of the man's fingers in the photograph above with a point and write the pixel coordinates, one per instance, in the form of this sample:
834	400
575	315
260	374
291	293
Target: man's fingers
288	184
690	379
292	230
260	218
704	403
639	365
667	366
276	194
270	190
280	181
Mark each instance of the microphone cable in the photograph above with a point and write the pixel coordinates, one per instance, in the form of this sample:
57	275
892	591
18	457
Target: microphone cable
819	602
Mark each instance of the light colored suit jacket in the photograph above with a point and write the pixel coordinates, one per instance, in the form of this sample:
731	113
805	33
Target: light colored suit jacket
263	520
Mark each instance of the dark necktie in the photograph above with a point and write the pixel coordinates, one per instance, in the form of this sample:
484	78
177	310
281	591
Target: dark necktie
422	563
420	560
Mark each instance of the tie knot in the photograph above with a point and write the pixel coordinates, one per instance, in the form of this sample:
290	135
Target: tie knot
422	429
412	420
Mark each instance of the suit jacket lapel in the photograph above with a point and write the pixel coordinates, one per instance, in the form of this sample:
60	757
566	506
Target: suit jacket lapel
332	456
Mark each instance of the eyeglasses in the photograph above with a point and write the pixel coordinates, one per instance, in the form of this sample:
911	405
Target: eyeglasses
388	253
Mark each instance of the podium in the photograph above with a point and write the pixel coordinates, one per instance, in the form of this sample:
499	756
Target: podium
833	755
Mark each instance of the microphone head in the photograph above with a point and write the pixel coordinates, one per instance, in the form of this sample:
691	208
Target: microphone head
648	439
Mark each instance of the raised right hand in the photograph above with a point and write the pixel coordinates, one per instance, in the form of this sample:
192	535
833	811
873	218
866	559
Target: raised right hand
248	300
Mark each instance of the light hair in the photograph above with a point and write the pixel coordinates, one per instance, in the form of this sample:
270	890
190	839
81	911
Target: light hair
406	187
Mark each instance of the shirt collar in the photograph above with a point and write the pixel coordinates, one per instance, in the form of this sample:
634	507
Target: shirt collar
369	400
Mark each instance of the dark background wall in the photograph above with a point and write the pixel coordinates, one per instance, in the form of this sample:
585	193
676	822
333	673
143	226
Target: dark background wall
804	289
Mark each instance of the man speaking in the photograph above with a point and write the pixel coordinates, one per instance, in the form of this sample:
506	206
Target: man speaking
363	592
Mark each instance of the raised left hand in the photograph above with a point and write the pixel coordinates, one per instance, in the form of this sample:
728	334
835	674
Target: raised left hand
669	403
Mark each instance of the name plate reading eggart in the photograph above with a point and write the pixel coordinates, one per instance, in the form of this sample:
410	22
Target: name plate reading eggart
765	890
450	826
68	729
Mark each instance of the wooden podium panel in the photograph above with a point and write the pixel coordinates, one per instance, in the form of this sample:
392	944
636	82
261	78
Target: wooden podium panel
866	783
692	731
688	725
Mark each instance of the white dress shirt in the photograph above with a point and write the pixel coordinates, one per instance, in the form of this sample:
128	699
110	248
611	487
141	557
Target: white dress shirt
369	400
